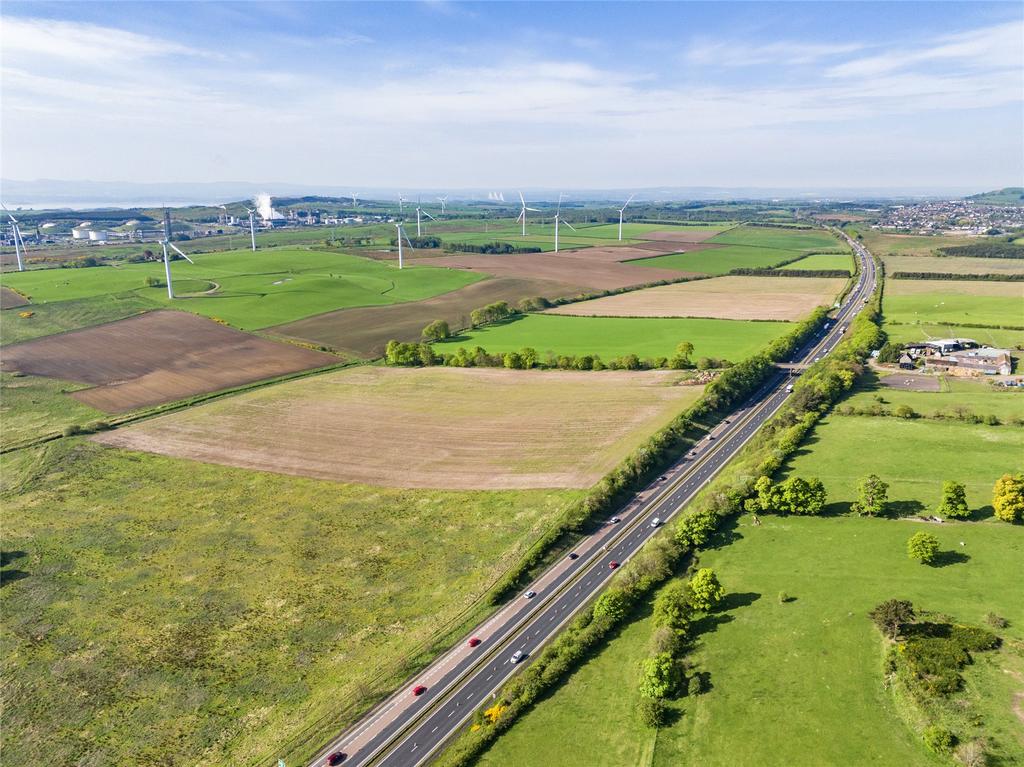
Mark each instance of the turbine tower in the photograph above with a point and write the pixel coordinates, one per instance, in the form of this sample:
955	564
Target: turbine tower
167	258
355	199
522	213
401	234
19	241
444	202
401	203
252	228
419	211
621	210
558	217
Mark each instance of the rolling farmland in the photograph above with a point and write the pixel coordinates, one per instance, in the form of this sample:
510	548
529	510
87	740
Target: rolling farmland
822	261
446	427
955	303
155	358
721	260
734	298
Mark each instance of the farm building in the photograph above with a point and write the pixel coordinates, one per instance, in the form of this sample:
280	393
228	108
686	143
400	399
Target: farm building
973	362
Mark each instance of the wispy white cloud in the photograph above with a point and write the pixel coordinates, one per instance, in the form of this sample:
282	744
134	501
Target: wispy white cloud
733	53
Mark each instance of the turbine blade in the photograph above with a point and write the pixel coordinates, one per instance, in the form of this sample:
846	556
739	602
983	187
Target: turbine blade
628	201
522	200
429	216
178	251
569	225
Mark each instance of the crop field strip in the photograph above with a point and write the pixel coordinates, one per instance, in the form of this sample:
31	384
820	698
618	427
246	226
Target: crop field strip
364	331
157	357
446	427
611	337
822	261
730	297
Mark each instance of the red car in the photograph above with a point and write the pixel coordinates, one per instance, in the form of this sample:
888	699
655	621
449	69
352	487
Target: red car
474	642
612	565
419	689
336	758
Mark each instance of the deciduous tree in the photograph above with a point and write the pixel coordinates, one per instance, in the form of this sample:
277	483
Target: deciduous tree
954	501
660	676
872	494
891	615
1008	498
923	547
705	592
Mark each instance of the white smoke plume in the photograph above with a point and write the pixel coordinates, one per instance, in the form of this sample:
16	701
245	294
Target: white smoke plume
263	206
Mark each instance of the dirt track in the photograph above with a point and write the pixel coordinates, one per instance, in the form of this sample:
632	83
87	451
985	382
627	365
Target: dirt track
10	299
432	428
157	357
364	331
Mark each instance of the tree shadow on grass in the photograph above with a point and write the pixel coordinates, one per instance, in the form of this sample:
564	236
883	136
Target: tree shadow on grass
947	558
6	557
725	535
10	576
985	512
904	508
836	509
736	600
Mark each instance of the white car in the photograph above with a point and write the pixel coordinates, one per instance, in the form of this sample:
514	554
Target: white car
516	656
529	595
655	522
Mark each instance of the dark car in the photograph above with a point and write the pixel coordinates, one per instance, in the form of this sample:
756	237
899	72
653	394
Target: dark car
336	758
419	689
474	642
612	565
573	555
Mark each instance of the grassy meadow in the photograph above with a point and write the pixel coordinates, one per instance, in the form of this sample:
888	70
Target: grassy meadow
251	290
798	682
992	336
179	613
61	316
31	406
974	395
823	261
781	238
611	337
719	261
954	303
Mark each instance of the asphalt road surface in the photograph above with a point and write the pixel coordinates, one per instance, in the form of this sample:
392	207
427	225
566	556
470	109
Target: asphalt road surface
407	728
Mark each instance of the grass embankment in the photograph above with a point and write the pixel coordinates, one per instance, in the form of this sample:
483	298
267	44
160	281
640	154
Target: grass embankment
186	614
797	682
255	290
612	337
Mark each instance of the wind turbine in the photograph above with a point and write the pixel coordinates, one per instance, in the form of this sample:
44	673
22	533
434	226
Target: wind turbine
252	228
167	258
355	199
401	203
19	242
401	234
558	217
443	201
419	231
623	208
522	213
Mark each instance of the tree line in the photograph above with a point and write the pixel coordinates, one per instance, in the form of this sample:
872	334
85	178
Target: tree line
989	276
490	248
991	249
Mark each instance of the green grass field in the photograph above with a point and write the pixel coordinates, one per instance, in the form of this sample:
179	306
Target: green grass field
993	337
955	303
781	238
612	337
31	406
793	683
823	261
979	397
62	316
720	261
256	290
914	457
883	243
161	611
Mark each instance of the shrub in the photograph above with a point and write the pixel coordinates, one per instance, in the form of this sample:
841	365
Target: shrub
437	330
695	686
996	621
783	597
892	615
72	430
972	754
905	411
660	676
653	712
938	739
923	547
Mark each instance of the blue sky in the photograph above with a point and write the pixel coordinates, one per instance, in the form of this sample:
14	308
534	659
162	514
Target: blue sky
501	95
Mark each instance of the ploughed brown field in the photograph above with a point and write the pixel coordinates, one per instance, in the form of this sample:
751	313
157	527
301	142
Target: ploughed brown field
452	428
596	273
157	357
10	299
364	331
728	298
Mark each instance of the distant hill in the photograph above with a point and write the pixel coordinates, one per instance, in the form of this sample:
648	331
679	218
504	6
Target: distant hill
1011	195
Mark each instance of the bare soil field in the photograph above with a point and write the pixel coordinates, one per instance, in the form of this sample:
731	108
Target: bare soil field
910	382
10	299
426	428
616	253
364	331
574	270
953	265
157	357
728	298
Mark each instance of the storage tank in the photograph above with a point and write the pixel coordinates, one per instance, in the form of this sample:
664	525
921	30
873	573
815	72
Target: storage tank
97	235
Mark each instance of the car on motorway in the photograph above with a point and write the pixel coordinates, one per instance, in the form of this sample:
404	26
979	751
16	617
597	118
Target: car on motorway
517	656
529	595
573	555
419	689
474	641
336	758
612	565
662	478
656	522
614	520
789	389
